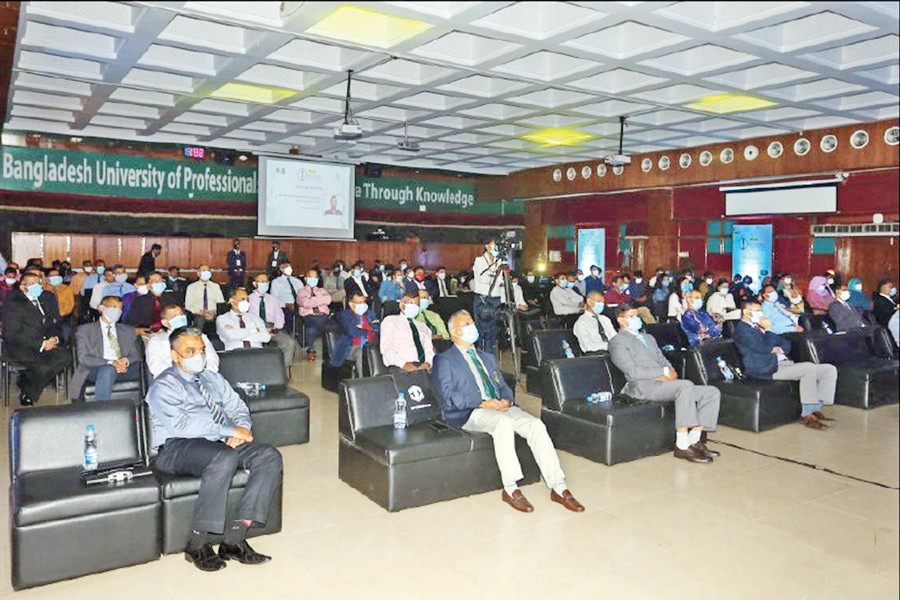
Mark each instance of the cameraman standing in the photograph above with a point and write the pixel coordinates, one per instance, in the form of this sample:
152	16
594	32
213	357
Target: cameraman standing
487	298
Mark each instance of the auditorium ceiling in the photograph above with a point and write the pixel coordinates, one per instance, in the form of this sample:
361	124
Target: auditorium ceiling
483	87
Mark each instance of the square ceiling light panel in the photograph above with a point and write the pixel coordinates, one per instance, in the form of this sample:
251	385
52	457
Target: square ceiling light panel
368	27
626	40
699	59
723	104
538	20
257	94
558	136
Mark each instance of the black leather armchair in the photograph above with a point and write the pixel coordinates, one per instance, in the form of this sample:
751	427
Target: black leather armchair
864	380
60	527
281	413
671	334
333	376
752	404
611	432
547	344
419	465
373	364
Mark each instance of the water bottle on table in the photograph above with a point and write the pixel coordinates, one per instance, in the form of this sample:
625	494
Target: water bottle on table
400	419
91	452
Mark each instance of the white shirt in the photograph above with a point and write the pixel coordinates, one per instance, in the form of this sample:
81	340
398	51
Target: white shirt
443	290
723	306
588	332
281	289
193	296
676	306
565	301
158	353
361	284
484	275
109	353
231	333
97	294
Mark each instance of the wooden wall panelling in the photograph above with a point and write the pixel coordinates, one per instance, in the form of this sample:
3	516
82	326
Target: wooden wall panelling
81	249
54	248
106	248
133	247
176	253
200	252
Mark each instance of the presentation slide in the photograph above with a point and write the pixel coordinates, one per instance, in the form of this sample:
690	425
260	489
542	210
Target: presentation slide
591	249
782	201
305	198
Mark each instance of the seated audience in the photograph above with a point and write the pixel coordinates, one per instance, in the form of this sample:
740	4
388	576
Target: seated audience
359	327
313	304
842	314
580	284
31	337
77	280
696	323
140	289
637	287
87	287
764	354
476	397
661	292
238	328
441	283
651	376
618	292
819	296
565	301
781	318
594	281
884	303
420	282
65	298
202	297
8	285
794	297
334	284
108	278
721	305
202	428
858	298
393	288
527	309
706	285
145	311
158	354
405	342
176	284
267	308
432	320
120	287
593	329
358	282
108	352
743	291
677	301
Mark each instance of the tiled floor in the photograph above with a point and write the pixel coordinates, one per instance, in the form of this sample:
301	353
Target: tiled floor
746	526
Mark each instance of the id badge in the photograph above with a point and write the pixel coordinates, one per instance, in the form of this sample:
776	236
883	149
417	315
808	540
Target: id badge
237	263
274	263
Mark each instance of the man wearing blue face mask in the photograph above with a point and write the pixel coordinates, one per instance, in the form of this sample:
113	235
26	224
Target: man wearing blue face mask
432	320
405	342
31	337
566	302
651	376
782	320
593	329
145	312
108	352
696	323
360	327
475	397
158	354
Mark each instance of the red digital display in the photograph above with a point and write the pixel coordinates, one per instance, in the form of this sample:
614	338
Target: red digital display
195	152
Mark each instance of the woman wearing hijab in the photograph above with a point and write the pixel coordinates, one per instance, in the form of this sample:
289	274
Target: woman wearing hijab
819	296
858	298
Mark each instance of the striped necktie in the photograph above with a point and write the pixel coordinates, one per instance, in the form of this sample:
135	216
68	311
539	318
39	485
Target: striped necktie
217	414
113	341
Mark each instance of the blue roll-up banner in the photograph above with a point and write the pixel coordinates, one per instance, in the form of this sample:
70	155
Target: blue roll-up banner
592	249
752	252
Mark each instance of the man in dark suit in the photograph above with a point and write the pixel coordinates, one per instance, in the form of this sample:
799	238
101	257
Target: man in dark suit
843	315
237	265
145	312
108	352
764	354
274	260
884	302
360	327
420	282
475	397
148	260
32	338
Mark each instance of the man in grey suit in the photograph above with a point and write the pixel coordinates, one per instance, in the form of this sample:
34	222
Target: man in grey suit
108	352
843	314
651	377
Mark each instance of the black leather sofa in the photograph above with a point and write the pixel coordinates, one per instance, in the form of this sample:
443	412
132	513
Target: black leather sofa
333	376
751	404
281	413
618	431
546	344
528	327
671	334
373	364
864	379
416	466
61	528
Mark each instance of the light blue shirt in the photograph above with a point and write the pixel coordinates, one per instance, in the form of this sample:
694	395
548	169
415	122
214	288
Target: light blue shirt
178	410
779	316
281	289
118	289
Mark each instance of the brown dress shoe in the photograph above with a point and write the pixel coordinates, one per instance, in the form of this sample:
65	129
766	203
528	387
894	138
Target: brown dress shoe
518	501
567	500
813	423
818	415
701	448
692	455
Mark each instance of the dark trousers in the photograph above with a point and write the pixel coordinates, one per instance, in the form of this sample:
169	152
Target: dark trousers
215	464
487	328
313	326
104	377
40	373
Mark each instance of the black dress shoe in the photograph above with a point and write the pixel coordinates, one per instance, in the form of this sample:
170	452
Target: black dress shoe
692	455
703	449
243	553
204	558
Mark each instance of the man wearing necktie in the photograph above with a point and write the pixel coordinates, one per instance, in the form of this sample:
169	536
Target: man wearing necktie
593	329
239	328
651	376
202	428
475	397
405	342
202	297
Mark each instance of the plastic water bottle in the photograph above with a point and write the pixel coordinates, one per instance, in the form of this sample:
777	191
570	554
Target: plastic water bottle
727	373
567	349
827	327
400	421
603	397
91	452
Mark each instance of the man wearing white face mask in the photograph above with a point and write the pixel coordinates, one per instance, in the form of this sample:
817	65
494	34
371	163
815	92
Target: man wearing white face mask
593	329
566	302
265	305
405	342
239	328
651	377
313	304
843	315
107	352
782	320
443	285
475	397
159	353
202	297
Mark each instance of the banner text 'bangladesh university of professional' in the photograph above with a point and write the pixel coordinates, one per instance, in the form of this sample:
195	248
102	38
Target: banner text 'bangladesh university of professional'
89	174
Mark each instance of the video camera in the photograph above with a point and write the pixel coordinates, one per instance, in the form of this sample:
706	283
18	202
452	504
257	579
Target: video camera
507	242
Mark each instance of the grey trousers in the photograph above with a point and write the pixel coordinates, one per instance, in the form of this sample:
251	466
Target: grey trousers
694	404
286	344
817	382
215	464
503	427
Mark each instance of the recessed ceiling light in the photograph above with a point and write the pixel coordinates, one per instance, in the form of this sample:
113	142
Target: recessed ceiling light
252	93
558	136
722	104
368	27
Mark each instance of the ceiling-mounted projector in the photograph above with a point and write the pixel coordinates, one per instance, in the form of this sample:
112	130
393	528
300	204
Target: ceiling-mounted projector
620	159
350	129
406	144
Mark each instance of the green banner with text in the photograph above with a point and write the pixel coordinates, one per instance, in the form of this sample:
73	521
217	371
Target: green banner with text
426	196
89	174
